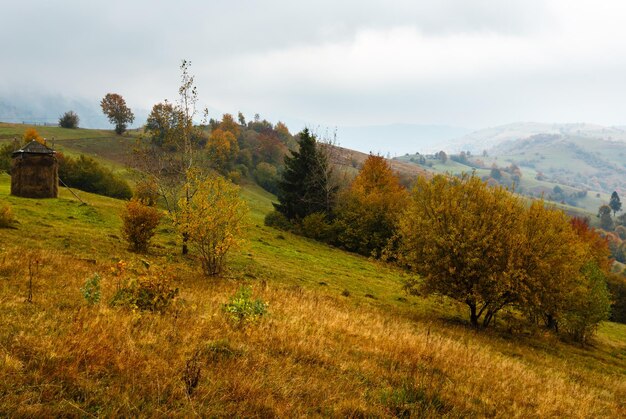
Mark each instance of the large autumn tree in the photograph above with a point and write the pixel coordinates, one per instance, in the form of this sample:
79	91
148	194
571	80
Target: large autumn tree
368	212
481	246
114	107
460	235
305	186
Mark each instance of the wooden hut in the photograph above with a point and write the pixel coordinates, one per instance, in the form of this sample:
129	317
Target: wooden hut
35	172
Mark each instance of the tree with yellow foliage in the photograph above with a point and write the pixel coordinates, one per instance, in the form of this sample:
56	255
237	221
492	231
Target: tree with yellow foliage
548	261
368	212
213	220
223	148
481	246
460	235
31	134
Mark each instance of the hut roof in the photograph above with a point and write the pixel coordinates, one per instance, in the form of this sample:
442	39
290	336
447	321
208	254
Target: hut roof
34	147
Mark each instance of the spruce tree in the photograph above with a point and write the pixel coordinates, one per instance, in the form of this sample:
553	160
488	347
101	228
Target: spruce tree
615	203
305	187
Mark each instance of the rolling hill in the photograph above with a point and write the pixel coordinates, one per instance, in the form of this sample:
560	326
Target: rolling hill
341	338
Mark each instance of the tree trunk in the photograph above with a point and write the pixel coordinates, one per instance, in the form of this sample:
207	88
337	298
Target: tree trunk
551	323
185	240
488	318
473	315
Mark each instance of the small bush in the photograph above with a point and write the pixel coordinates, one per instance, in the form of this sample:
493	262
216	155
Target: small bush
147	192
6	150
139	224
88	175
6	216
617	288
91	289
152	292
277	220
267	177
69	120
588	305
316	227
234	176
242	309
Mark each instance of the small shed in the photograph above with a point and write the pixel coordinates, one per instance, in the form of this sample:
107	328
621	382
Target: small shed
35	172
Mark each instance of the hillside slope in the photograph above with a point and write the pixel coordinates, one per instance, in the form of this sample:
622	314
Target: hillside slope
340	339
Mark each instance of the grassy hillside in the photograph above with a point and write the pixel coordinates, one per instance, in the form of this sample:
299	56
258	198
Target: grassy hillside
340	339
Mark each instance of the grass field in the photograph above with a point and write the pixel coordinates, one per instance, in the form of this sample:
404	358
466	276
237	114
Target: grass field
317	353
341	339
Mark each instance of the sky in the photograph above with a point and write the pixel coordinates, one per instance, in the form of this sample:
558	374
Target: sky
457	63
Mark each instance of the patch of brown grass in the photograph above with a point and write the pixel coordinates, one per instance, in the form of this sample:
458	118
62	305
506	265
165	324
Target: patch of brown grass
312	355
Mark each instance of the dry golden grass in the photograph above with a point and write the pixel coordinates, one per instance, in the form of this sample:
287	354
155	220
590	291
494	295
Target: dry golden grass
312	355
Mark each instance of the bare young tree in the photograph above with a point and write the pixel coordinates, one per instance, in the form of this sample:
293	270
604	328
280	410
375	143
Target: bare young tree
167	165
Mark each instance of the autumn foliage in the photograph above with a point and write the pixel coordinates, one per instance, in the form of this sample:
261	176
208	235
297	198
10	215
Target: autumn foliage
222	148
31	134
139	224
481	246
213	220
115	109
369	210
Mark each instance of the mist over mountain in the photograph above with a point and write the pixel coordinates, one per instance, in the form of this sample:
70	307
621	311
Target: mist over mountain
490	138
398	139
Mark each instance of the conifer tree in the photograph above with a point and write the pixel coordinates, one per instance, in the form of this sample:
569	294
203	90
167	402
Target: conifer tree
615	203
305	186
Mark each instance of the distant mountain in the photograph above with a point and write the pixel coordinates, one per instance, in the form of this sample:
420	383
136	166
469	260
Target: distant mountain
397	139
487	139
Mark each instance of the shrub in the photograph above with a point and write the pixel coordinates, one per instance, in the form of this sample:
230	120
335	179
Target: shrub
139	224
588	305
316	227
6	216
6	150
267	177
69	120
147	192
234	176
213	221
88	175
242	309
91	289
152	292
277	220
617	288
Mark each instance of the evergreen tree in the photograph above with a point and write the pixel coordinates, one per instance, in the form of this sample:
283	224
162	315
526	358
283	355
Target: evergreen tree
305	186
615	203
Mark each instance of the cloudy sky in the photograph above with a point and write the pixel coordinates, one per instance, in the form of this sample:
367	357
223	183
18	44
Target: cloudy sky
462	63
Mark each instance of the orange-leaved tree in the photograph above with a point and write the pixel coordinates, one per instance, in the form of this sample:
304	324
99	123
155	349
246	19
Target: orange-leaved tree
31	134
115	109
368	212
